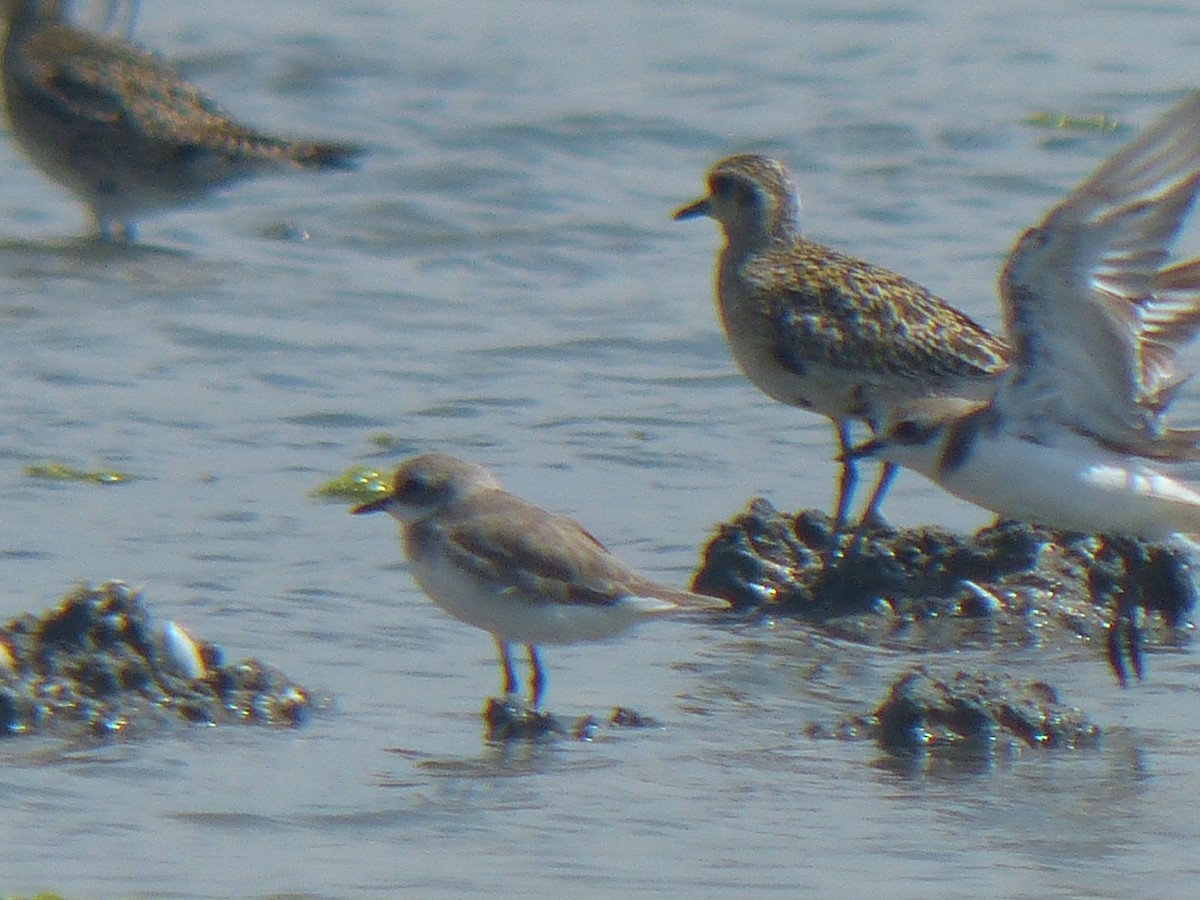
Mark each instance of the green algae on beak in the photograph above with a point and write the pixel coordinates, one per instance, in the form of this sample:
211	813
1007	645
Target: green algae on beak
356	485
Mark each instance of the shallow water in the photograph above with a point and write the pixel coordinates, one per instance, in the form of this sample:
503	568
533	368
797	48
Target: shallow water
502	281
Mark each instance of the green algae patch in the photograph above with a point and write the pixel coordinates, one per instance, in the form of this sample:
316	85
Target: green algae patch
356	485
61	472
1067	122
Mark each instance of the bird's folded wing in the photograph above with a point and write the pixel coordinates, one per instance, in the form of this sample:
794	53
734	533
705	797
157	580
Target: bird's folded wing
108	83
840	311
546	558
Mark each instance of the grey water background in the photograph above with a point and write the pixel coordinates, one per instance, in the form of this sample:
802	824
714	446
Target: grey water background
501	280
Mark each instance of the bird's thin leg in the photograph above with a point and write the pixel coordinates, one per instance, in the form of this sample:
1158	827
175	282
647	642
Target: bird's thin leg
114	231
887	473
134	8
104	228
508	678
1125	643
870	514
1125	632
847	481
110	17
537	677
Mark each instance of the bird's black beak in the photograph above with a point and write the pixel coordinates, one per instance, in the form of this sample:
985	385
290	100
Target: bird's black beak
692	210
866	448
378	505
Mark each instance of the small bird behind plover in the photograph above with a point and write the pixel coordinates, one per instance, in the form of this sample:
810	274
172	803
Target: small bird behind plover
497	562
120	128
824	331
1074	435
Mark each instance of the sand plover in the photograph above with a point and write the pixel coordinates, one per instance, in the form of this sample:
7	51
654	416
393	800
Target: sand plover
120	128
1074	435
819	329
497	562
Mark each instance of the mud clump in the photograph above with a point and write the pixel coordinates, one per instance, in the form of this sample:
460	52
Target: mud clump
929	588
510	719
976	716
96	664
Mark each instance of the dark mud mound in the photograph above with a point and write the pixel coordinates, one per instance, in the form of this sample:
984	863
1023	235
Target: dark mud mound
928	588
511	719
96	664
974	716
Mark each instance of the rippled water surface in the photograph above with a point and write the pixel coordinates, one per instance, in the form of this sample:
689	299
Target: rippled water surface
502	280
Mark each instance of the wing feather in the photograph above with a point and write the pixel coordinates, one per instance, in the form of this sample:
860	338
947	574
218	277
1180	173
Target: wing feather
832	308
93	78
540	557
1094	313
545	558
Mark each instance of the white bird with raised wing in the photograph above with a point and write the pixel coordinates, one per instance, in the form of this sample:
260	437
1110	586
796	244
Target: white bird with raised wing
1074	436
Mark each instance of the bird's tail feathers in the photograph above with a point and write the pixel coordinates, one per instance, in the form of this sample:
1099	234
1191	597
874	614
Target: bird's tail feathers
343	157
1171	446
252	146
681	600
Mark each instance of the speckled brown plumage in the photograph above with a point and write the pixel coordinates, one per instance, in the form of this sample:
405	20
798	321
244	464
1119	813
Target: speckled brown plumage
120	128
831	308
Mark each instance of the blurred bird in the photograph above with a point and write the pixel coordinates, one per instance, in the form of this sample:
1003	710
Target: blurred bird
119	128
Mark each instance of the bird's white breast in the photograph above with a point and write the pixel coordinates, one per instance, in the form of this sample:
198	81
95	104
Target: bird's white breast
518	616
1072	484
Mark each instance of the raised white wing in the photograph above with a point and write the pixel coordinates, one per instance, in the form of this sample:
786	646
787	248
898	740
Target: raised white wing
1093	315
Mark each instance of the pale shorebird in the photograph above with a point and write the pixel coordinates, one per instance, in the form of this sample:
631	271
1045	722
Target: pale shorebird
822	330
119	128
526	575
1074	437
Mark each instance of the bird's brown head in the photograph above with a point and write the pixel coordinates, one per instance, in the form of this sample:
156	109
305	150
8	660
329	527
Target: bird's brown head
428	483
932	435
751	196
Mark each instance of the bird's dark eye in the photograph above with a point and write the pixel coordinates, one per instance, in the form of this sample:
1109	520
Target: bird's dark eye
736	192
415	489
721	186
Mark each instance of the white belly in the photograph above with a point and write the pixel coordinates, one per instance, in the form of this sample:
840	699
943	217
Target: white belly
1074	485
519	618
